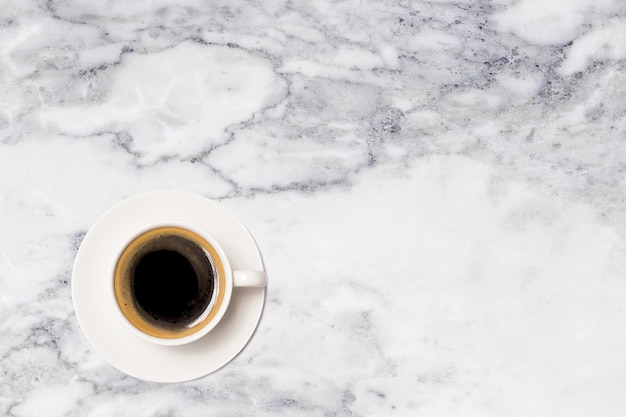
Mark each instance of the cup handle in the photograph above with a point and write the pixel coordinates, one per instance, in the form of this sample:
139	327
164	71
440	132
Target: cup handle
250	278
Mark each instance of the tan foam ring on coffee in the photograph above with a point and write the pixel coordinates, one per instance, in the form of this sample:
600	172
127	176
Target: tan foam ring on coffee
123	288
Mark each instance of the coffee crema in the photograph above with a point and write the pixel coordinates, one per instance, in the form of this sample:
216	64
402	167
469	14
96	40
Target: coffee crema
168	282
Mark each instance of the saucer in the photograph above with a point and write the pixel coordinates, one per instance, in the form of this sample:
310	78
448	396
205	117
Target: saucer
108	334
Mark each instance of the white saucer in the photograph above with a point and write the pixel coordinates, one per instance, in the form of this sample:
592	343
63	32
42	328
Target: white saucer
106	332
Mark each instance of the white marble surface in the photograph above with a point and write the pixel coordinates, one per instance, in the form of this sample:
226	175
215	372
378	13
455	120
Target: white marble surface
438	189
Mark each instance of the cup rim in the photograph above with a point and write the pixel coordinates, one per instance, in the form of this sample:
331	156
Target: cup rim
228	278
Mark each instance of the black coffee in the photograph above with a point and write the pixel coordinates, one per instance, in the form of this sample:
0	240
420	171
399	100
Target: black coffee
167	281
173	283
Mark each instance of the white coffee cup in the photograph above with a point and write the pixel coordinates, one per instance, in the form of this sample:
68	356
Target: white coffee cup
171	282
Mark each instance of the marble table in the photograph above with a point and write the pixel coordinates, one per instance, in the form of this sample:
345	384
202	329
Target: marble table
438	189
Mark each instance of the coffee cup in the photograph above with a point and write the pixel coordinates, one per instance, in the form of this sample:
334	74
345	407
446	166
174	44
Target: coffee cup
171	282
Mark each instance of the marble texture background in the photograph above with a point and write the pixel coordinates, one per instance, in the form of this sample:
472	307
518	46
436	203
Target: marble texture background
438	189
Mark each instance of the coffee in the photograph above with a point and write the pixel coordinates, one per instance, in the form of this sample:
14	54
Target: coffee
167	282
169	289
